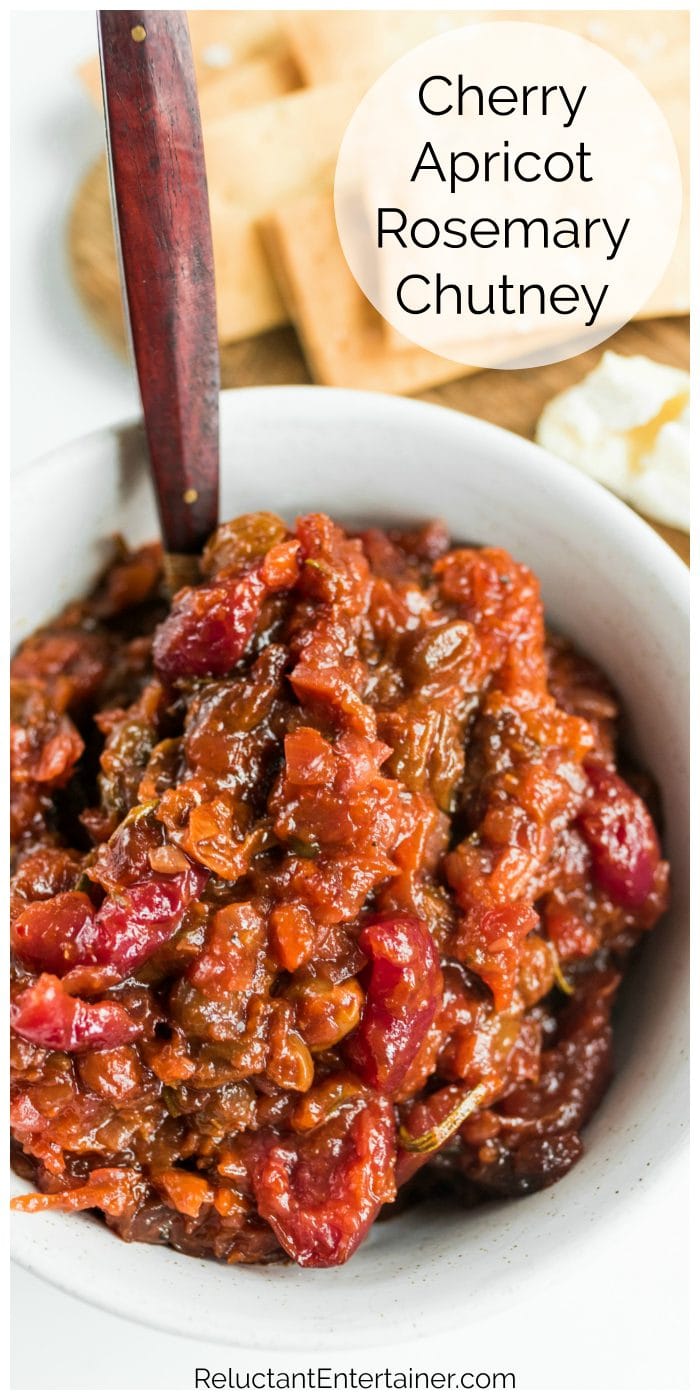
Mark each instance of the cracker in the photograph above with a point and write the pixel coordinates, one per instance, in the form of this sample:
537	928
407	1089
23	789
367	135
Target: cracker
340	331
256	159
333	44
259	80
245	34
222	41
654	44
328	45
229	90
91	255
259	157
271	152
247	299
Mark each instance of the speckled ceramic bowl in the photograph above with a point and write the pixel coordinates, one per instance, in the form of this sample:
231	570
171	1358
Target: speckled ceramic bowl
620	593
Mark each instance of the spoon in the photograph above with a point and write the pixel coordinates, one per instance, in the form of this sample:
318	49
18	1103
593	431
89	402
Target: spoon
163	234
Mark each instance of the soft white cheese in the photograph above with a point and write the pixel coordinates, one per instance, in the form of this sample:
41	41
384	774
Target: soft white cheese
627	425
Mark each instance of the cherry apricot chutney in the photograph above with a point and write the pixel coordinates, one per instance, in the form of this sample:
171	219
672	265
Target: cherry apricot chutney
325	881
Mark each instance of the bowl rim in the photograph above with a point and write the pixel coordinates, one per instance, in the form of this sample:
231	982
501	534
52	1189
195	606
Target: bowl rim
552	466
316	403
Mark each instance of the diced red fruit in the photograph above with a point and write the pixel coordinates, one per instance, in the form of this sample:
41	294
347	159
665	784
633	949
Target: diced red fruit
360	760
46	1015
534	1130
330	690
321	1190
404	992
131	925
354	648
228	960
130	581
59	756
501	598
43	872
569	925
282	565
350	766
47	934
426	542
69	664
115	1074
334	889
483	874
490	942
25	1117
309	759
58	934
621	837
336	569
336	795
292	934
209	627
44	743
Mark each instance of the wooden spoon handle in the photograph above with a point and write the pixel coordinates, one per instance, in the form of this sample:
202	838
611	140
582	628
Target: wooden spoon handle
159	187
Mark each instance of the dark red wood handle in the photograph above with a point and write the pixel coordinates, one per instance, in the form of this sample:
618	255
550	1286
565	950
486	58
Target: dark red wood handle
159	186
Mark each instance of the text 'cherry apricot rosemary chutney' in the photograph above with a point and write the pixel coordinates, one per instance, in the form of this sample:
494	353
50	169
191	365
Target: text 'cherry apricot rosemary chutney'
325	881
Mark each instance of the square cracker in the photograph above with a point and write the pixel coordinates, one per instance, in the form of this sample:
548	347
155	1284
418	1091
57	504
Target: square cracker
340	331
266	154
258	80
328	45
256	159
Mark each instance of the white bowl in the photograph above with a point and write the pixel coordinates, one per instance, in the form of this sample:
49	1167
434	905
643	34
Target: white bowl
612	586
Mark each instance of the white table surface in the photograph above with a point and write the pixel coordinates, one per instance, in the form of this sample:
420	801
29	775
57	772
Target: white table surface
618	1321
